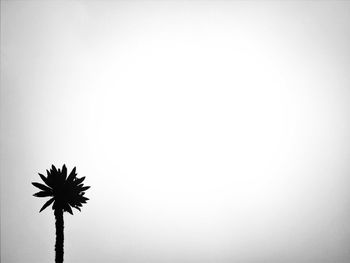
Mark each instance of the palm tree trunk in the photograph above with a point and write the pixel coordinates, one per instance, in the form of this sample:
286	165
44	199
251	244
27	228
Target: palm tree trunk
59	235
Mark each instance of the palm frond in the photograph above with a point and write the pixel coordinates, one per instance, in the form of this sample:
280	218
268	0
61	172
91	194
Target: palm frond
79	180
42	194
45	180
47	204
72	175
42	187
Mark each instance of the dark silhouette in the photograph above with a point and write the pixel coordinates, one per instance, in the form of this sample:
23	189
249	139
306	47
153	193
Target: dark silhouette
66	192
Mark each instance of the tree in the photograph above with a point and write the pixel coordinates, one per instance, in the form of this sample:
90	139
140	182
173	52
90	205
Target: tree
65	192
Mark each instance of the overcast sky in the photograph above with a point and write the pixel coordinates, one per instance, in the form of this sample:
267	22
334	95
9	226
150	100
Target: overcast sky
210	131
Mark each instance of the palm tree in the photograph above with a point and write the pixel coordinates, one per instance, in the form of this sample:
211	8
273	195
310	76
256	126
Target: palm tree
65	192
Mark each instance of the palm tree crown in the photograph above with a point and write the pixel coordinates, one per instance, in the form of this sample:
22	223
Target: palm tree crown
66	191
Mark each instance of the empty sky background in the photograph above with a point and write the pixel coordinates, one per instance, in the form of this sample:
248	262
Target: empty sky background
210	131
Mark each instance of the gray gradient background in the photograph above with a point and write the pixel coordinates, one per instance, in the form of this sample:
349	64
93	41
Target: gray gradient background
210	131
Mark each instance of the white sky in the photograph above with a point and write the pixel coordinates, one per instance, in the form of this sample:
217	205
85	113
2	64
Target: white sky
210	131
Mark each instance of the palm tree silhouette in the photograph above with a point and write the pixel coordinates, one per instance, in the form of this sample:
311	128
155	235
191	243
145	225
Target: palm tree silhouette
65	192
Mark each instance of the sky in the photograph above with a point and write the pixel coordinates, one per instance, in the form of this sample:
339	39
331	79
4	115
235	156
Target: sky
209	131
